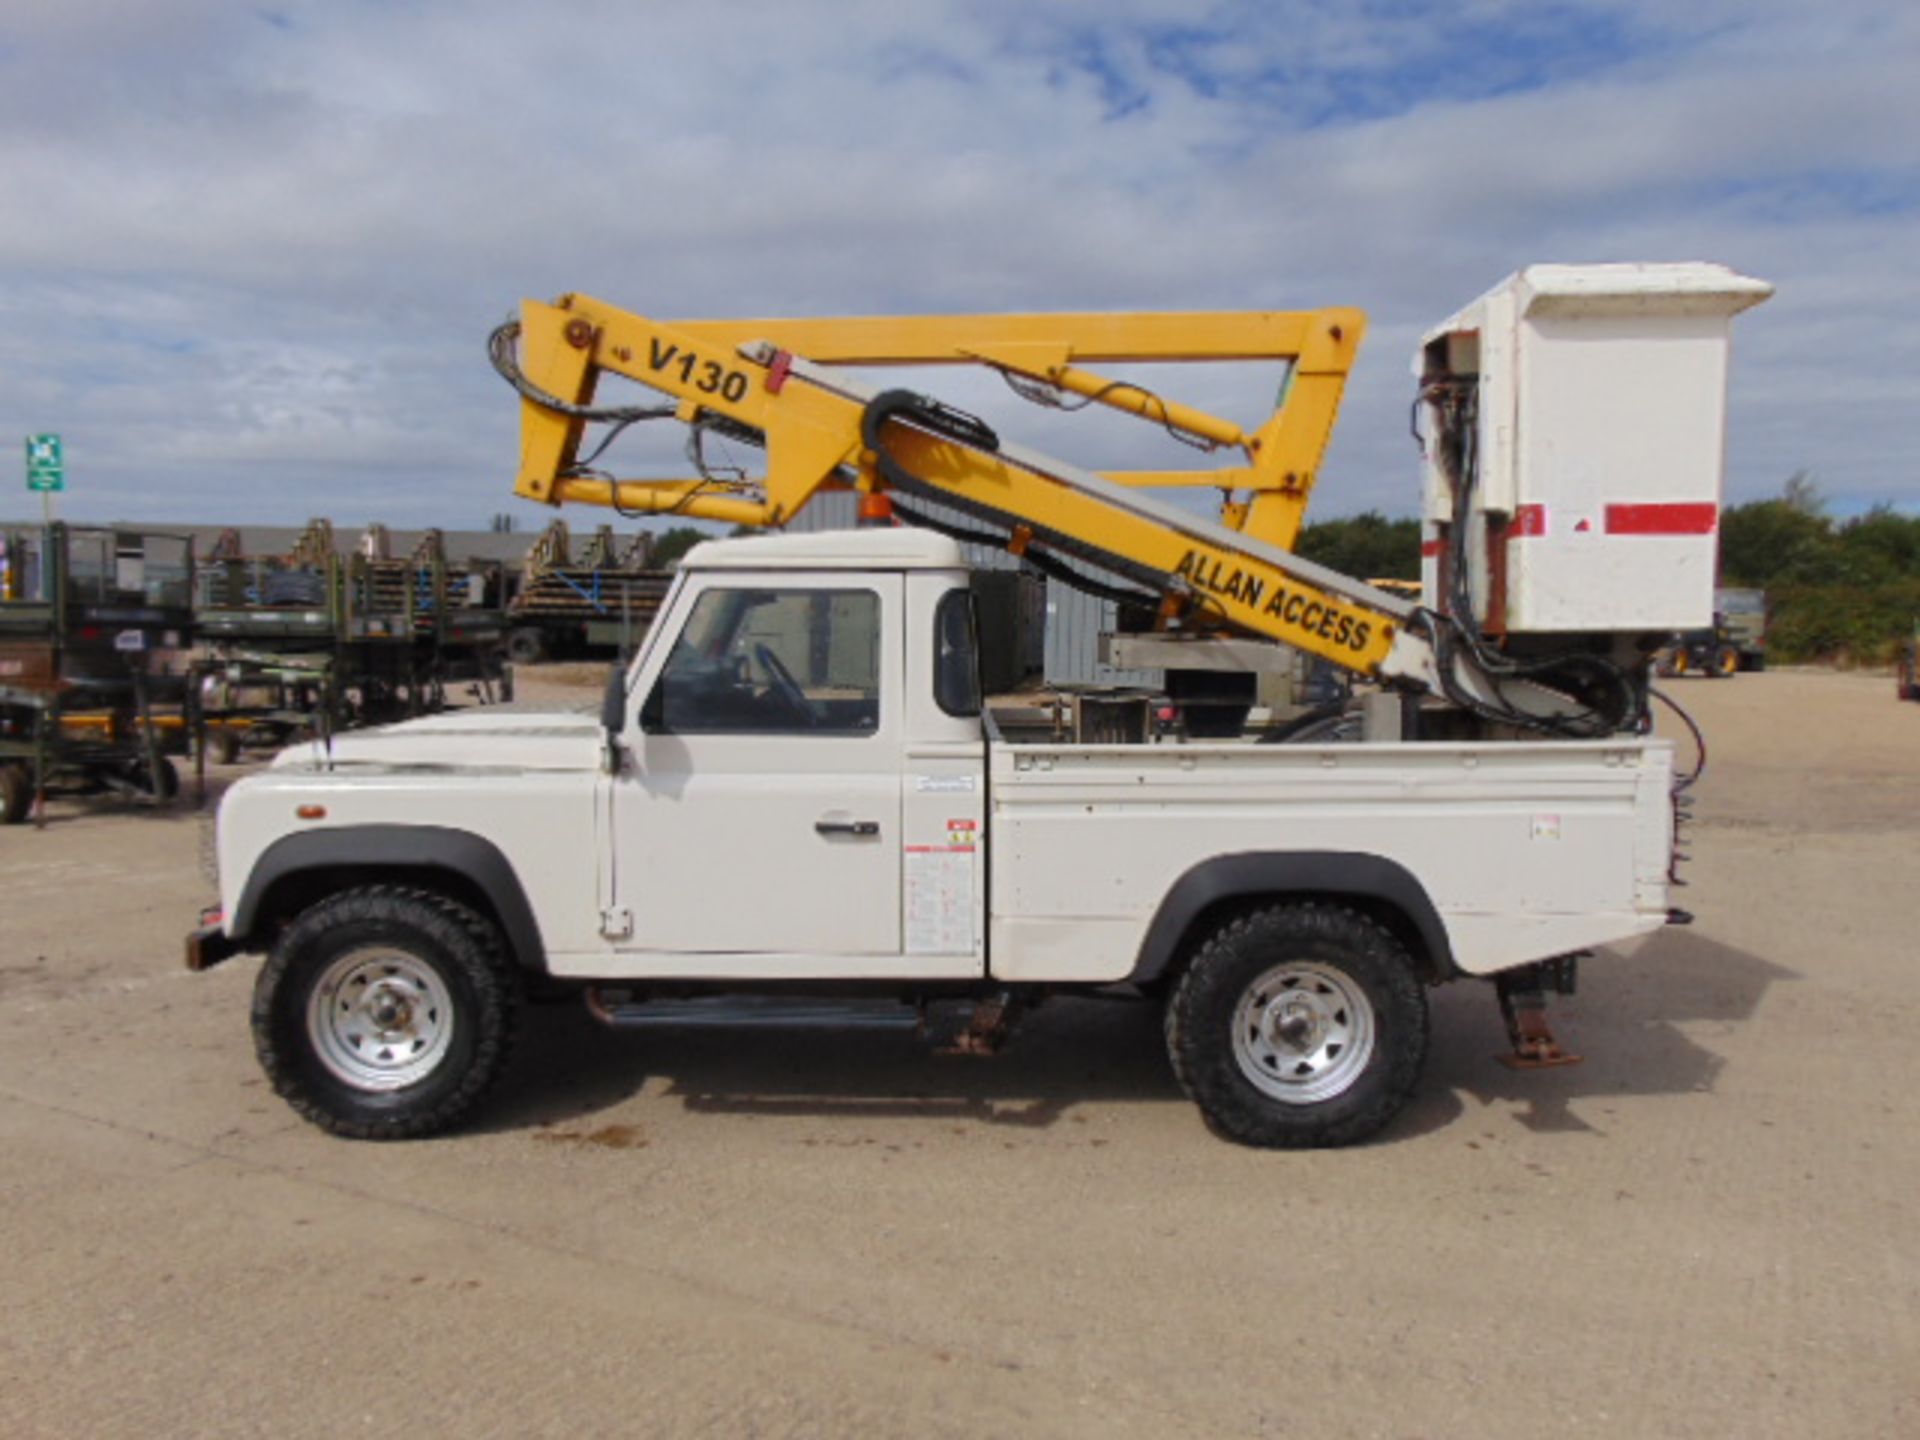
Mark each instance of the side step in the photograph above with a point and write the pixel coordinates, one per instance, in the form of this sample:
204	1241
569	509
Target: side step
617	1008
956	1027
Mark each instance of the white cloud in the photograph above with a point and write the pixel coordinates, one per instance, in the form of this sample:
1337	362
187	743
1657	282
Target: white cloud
250	255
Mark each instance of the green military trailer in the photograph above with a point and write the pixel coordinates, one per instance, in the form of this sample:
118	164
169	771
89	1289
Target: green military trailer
315	641
96	626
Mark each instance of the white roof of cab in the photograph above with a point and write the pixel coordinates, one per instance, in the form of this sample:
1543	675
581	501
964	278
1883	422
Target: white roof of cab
881	548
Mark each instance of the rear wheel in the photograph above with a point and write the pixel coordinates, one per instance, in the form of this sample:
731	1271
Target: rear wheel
385	1013
526	646
159	783
1298	1025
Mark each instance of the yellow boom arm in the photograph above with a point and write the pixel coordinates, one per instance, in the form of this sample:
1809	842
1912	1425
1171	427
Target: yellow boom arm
1277	461
823	432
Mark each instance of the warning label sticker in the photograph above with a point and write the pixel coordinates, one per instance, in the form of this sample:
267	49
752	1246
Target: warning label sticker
940	900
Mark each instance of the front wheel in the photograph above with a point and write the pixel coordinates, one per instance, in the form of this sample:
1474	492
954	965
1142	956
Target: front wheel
385	1013
1298	1025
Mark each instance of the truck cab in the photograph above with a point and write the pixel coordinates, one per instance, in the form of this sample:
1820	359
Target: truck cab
810	717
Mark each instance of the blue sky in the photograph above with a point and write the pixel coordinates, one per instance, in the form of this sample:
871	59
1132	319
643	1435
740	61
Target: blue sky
251	254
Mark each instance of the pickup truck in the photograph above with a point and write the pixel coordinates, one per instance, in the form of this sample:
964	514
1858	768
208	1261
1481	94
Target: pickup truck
795	790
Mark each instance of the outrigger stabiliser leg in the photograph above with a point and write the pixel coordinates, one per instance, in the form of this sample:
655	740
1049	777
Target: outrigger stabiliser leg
1523	1005
988	1026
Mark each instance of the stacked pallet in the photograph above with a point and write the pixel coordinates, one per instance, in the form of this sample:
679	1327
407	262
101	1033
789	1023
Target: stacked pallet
574	593
602	597
400	587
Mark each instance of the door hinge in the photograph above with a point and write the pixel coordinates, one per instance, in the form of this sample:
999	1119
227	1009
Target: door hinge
616	924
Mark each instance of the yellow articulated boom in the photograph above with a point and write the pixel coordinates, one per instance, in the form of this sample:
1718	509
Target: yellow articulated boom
773	382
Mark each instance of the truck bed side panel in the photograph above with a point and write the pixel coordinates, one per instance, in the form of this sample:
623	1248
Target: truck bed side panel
1526	850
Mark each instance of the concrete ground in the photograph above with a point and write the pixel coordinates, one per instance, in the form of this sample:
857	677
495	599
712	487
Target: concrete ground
1710	1228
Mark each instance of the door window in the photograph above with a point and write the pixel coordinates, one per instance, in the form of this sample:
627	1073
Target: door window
956	662
772	662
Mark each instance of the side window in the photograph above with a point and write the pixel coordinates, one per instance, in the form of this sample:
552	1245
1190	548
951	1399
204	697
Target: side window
956	658
772	662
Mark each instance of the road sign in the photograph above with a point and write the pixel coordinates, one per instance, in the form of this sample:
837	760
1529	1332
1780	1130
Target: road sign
46	470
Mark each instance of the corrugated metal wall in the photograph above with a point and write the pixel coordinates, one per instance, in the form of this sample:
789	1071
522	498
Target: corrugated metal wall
1075	623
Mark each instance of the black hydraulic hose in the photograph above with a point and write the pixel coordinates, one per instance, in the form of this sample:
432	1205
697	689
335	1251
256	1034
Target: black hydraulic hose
957	425
500	345
927	414
1699	740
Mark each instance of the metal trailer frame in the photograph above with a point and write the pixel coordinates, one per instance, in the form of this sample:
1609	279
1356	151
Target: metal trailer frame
314	642
84	609
601	599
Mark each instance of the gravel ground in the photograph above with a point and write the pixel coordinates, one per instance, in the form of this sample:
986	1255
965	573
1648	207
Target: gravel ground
1707	1229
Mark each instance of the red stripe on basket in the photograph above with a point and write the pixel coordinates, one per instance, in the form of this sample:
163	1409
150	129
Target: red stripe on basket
1673	518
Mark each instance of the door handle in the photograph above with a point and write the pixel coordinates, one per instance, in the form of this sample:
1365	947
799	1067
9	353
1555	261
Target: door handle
847	827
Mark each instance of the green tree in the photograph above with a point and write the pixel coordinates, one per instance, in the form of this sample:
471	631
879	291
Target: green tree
1367	546
1802	493
1880	546
1847	592
670	544
1768	542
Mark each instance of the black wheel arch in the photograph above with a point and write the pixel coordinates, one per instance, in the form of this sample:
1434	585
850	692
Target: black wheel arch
1377	887
297	870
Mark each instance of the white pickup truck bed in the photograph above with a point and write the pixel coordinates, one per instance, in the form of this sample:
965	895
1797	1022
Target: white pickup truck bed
1526	851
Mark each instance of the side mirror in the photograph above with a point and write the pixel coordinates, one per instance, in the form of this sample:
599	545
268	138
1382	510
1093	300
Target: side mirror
613	704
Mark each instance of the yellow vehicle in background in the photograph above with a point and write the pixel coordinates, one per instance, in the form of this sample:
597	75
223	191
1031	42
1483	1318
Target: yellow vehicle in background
1712	652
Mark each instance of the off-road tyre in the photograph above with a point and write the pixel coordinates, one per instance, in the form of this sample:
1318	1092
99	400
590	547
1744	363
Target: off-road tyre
1330	961
526	646
222	745
162	784
16	794
429	939
1726	662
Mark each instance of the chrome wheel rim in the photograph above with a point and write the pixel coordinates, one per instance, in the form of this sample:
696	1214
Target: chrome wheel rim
380	1019
1303	1032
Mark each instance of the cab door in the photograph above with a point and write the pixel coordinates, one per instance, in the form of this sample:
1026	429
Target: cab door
756	827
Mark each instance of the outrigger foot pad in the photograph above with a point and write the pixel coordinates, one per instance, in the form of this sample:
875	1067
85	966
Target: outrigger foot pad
1523	1005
